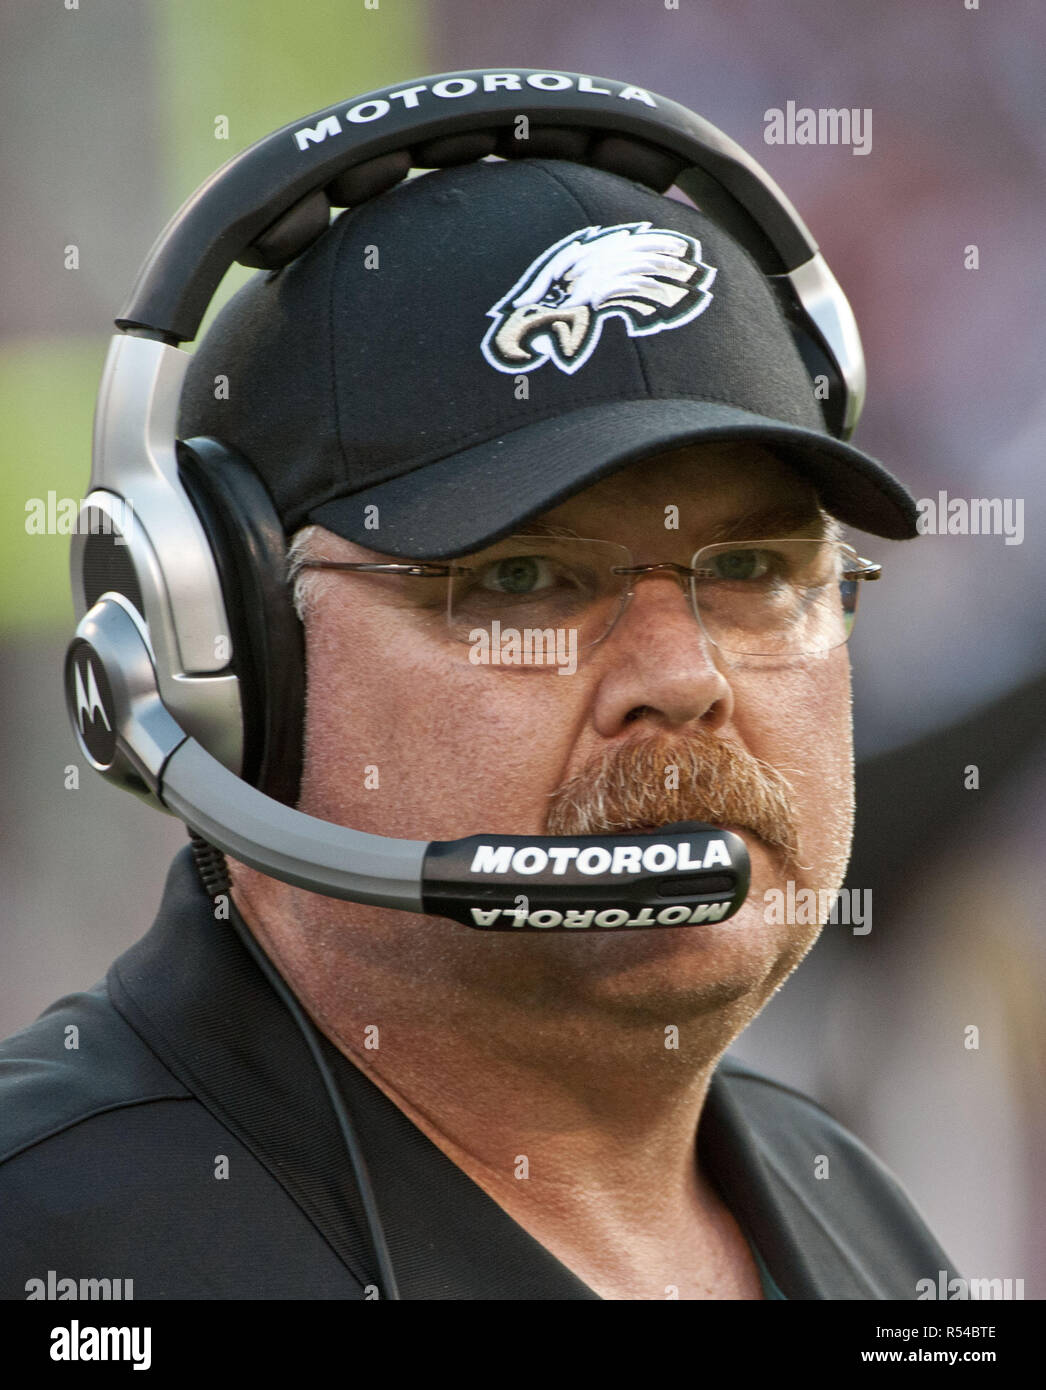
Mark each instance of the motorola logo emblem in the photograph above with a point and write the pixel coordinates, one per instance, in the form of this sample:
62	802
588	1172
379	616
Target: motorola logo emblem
89	701
91	704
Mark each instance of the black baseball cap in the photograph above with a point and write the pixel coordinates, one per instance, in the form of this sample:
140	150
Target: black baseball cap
481	342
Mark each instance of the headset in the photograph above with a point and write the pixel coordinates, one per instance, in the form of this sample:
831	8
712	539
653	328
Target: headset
185	678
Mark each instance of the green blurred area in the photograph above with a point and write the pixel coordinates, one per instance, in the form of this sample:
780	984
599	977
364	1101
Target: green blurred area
260	64
263	65
47	395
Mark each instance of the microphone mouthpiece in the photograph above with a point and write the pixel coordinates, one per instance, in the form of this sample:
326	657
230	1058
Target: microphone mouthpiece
678	875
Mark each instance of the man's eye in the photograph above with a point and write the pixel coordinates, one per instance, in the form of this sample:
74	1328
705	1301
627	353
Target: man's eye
743	564
518	574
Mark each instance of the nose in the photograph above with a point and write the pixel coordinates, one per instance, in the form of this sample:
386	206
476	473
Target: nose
657	663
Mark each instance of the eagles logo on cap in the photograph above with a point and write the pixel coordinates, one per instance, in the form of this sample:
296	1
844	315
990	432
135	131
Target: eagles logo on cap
651	278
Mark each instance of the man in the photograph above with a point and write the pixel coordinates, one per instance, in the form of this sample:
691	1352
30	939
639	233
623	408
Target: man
543	1115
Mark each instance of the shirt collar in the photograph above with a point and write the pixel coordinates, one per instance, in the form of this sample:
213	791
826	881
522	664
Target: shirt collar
191	990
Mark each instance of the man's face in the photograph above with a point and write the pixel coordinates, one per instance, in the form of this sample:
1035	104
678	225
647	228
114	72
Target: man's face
407	737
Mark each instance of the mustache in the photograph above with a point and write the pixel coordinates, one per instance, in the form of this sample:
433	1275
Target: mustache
657	780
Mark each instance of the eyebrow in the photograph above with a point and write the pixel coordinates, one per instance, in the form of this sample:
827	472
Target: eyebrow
770	522
758	523
545	528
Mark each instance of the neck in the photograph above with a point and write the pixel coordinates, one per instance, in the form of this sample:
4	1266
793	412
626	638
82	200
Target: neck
575	1108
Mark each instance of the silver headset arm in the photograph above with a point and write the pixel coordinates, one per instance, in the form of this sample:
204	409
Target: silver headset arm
685	874
128	734
287	844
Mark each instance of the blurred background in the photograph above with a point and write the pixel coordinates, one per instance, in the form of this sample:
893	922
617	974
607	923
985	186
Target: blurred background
108	116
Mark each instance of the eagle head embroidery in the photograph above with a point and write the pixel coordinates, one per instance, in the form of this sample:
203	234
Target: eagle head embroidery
651	278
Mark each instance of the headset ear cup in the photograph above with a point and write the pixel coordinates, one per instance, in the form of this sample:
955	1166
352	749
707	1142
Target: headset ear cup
267	641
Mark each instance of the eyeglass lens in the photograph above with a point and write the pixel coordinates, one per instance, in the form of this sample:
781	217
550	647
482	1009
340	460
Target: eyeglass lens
777	597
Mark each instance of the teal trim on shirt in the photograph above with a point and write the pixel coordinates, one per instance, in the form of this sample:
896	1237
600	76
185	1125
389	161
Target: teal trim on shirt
770	1289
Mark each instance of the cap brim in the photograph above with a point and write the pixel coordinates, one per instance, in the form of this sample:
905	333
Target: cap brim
474	497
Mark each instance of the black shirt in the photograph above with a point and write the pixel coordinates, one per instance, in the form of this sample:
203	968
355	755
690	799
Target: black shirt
123	1105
